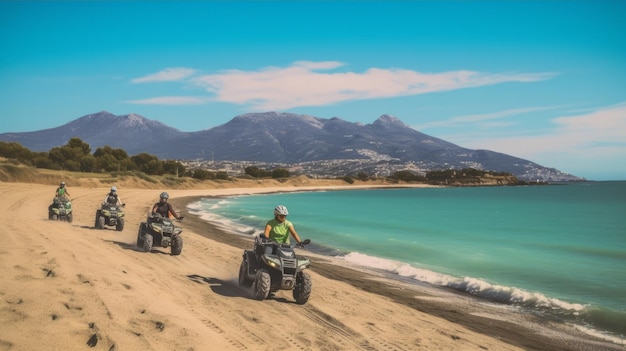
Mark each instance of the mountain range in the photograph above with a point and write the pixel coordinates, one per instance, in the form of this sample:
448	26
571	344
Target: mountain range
285	138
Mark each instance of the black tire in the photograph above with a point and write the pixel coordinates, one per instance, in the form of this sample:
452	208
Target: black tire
262	284
69	218
302	290
95	224
147	242
120	225
101	222
177	245
243	276
142	229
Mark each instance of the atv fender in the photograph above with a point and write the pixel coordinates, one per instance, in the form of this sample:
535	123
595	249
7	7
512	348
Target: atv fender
252	263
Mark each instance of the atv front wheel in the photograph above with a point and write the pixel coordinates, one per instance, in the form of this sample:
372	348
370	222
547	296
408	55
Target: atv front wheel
243	275
101	222
120	225
302	290
95	225
55	217
262	284
147	242
177	245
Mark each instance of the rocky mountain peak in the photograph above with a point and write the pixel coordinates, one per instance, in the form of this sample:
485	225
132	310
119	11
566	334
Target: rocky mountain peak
388	121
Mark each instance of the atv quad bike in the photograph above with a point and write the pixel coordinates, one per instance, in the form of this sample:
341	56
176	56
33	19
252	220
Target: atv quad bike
110	215
272	266
60	209
160	231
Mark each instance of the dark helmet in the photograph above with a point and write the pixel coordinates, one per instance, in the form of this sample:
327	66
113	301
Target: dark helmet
164	196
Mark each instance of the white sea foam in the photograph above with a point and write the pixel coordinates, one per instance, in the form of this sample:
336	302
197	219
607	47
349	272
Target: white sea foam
474	286
237	227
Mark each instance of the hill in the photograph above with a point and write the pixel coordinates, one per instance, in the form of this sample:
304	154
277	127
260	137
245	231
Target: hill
301	141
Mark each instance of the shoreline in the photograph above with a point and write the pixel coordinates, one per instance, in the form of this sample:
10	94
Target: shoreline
71	285
503	322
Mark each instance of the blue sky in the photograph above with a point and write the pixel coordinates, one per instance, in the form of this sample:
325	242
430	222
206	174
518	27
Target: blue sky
544	81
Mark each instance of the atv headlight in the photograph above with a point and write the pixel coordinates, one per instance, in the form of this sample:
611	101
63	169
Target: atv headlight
156	227
273	262
304	263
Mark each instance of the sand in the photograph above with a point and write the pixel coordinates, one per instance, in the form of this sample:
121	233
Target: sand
69	286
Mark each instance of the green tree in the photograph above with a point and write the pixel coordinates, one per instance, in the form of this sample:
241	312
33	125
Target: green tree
202	174
221	175
81	146
108	163
280	173
88	163
362	176
173	167
16	151
255	172
149	164
407	176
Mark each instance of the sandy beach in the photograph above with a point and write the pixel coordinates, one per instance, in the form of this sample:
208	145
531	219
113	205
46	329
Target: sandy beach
69	286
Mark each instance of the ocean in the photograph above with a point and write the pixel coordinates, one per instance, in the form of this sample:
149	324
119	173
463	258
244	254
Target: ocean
555	250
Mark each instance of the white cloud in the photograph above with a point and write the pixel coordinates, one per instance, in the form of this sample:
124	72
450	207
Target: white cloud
166	75
170	100
588	141
301	84
308	83
462	121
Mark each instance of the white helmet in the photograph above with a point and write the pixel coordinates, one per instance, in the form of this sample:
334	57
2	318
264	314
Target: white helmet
113	188
280	210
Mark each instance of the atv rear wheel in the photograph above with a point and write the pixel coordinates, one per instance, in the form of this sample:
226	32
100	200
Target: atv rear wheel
120	225
147	242
69	218
95	225
177	245
243	275
302	290
262	284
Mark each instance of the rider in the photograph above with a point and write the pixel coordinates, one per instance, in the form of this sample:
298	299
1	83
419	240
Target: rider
279	228
164	208
112	198
62	191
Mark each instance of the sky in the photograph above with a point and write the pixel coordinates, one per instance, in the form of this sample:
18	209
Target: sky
540	80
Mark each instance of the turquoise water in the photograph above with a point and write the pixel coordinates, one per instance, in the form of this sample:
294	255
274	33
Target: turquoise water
557	250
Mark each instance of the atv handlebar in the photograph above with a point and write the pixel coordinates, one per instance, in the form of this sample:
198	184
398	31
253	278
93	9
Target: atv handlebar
266	241
156	215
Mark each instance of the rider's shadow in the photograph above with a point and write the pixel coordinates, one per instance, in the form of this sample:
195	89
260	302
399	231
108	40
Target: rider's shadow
133	247
218	286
